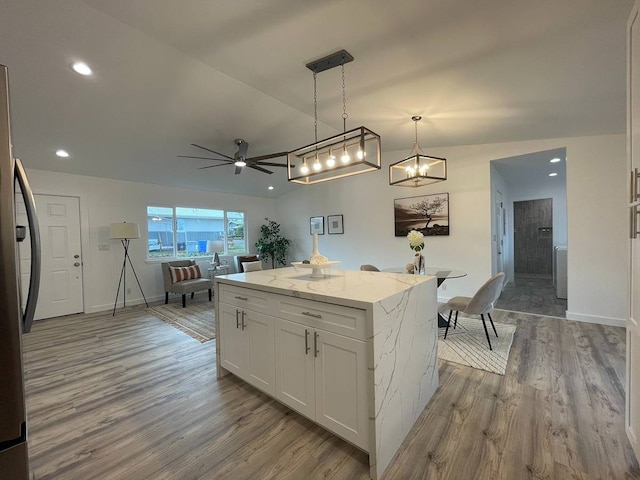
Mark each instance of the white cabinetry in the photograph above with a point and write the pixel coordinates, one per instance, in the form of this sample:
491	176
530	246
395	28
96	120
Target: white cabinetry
247	345
323	376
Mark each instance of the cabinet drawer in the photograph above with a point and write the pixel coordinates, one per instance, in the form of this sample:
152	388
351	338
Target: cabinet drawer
346	321
244	297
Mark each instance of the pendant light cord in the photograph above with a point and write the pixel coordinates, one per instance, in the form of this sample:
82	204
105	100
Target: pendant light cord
344	103
315	105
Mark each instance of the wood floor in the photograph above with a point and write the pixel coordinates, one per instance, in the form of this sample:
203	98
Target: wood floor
532	294
133	398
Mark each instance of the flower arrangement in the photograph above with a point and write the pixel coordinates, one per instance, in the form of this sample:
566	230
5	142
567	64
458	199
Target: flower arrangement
416	240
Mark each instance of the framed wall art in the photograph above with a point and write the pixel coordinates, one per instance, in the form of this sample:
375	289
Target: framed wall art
316	225
428	214
335	224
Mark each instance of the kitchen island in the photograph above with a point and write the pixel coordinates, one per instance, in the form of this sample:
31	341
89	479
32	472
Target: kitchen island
355	352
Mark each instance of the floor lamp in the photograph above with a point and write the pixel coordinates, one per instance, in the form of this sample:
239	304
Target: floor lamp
125	232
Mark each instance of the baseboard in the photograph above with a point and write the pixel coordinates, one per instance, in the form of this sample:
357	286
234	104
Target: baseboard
130	303
611	321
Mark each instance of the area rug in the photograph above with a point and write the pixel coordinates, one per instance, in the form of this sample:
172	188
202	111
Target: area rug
196	320
467	345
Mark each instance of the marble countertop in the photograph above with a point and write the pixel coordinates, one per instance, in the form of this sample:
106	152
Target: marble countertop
352	288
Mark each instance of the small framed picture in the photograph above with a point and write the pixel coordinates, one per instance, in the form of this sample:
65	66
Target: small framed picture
334	224
317	225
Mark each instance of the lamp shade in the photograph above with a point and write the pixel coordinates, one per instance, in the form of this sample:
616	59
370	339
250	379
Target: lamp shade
124	230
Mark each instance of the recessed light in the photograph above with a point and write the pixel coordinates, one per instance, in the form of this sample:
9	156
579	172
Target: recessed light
270	187
555	160
62	153
81	68
554	174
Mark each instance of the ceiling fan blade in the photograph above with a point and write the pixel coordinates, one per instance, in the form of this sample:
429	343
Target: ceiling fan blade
267	157
270	164
264	170
211	166
205	158
212	151
243	147
238	170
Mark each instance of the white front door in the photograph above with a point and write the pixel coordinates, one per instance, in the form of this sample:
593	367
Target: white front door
633	138
61	277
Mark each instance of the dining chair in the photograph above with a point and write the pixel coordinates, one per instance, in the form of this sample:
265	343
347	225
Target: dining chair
369	268
480	304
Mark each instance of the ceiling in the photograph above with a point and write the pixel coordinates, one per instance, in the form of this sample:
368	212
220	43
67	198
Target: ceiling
168	74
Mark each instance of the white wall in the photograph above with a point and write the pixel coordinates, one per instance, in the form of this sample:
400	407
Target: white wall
105	201
596	220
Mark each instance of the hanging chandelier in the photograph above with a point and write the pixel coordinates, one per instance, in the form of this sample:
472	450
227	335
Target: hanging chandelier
417	169
348	153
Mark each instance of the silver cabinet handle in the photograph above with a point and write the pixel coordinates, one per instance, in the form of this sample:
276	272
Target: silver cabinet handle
237	318
634	221
306	342
633	191
314	315
241	298
243	325
315	344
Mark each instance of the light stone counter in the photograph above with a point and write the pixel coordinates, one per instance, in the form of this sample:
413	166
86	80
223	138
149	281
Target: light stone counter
401	339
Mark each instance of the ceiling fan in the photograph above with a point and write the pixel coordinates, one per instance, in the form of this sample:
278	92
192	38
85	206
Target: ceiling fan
240	158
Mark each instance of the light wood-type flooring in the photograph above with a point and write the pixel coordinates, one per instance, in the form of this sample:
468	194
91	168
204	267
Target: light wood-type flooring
532	294
132	398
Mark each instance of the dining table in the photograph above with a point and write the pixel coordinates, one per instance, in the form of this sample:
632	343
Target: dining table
441	273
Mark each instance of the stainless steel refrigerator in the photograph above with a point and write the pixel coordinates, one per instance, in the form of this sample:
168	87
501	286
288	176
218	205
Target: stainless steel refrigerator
14	320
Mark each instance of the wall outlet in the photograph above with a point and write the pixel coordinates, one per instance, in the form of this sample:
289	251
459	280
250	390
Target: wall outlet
104	248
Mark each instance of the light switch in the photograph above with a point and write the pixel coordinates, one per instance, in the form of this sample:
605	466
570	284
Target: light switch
104	248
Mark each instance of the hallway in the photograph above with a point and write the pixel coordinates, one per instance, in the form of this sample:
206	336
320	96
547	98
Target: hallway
532	294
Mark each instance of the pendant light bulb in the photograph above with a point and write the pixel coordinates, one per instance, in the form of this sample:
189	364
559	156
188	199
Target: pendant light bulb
317	166
360	155
331	161
304	169
345	158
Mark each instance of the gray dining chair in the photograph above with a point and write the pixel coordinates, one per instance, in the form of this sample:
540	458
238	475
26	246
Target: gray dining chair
369	268
482	303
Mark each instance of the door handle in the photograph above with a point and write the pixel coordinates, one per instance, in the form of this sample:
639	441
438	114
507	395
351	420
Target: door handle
34	278
314	315
243	325
76	256
306	342
77	264
315	344
237	319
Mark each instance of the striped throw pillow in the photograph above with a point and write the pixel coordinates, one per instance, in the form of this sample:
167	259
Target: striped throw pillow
178	274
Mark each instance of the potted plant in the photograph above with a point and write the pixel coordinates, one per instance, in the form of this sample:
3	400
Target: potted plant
272	244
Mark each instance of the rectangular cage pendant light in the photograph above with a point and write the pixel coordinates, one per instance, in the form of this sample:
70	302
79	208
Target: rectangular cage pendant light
418	170
348	153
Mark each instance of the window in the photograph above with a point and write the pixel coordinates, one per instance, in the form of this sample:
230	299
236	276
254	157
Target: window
184	232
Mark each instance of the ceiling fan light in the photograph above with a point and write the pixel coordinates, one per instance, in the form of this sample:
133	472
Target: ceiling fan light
240	163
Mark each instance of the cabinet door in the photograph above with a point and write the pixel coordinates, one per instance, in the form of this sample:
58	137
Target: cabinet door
230	342
259	350
342	403
294	367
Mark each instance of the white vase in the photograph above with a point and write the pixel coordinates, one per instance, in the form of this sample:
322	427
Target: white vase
418	264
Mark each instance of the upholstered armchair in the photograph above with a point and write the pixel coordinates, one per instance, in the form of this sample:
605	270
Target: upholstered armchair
238	260
182	277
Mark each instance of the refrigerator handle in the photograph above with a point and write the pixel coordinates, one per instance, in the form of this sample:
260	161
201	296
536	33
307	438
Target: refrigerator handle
34	279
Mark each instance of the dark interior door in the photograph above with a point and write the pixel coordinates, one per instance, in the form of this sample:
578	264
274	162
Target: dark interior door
533	236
